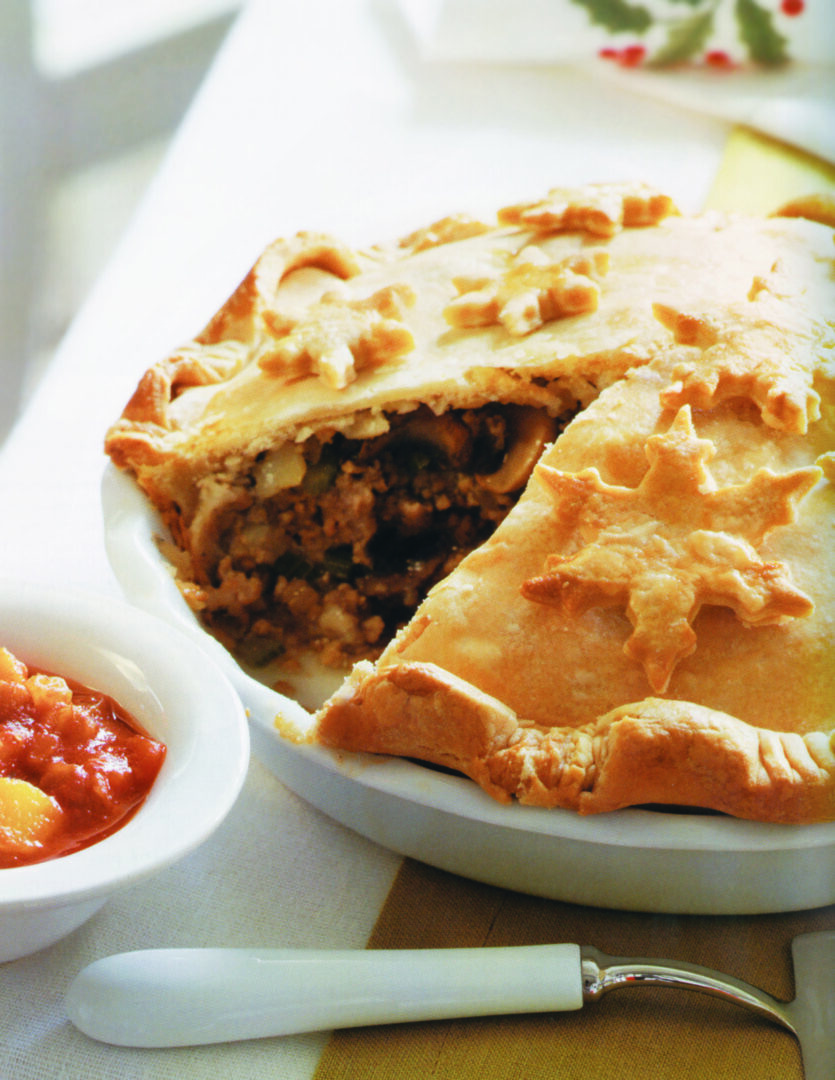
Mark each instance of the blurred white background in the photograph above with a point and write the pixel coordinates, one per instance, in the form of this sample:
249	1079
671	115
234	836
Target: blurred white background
91	92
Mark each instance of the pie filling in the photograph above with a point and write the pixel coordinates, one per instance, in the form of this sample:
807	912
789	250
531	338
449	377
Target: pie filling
337	563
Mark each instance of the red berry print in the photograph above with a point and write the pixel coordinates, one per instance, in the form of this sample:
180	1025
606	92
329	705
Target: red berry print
792	7
718	58
632	55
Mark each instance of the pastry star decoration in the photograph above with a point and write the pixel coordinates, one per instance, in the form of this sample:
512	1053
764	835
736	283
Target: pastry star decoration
337	338
445	231
766	350
530	292
601	209
671	545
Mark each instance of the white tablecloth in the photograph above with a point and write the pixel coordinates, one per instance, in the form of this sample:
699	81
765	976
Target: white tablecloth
319	115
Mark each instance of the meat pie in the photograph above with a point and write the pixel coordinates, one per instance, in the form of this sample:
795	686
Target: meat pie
558	484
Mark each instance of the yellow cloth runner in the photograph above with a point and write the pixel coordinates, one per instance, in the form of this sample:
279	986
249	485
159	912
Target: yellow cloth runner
646	1032
757	175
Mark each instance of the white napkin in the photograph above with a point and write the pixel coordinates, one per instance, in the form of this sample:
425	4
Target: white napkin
725	51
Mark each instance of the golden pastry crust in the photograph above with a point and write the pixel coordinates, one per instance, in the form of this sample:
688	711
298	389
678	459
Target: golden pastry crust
652	620
681	657
656	751
816	207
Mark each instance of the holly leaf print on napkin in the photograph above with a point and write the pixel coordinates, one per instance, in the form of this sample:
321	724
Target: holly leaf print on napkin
617	15
757	31
671	32
685	40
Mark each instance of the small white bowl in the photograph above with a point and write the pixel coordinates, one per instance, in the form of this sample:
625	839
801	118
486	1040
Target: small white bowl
172	688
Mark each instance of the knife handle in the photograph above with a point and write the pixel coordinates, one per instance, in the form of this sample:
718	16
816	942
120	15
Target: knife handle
191	997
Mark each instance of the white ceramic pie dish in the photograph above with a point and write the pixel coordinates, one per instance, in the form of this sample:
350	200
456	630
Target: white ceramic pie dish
639	860
174	691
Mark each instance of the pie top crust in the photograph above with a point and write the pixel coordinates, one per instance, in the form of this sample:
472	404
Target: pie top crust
653	622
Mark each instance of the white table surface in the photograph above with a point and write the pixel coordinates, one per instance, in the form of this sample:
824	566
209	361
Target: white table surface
319	115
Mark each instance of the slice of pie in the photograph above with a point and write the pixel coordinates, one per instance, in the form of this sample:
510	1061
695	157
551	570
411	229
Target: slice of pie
599	434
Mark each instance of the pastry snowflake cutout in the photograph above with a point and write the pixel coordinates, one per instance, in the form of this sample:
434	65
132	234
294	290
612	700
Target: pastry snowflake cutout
338	338
766	351
599	209
532	291
671	545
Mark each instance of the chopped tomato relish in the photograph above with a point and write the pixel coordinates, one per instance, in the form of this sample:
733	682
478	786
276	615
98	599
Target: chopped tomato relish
74	765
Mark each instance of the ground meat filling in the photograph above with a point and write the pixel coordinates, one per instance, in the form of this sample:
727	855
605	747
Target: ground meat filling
338	563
